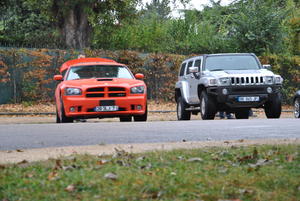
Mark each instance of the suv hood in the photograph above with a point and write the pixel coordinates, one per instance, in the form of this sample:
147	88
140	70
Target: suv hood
239	73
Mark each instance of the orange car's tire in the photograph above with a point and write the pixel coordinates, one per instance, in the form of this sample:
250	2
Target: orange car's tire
62	118
57	117
125	119
141	117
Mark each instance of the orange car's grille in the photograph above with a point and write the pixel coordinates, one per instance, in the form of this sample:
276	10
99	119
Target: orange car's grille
97	92
95	89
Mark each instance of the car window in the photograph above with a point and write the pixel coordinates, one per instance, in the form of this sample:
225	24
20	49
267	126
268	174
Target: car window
190	64
198	64
98	71
182	69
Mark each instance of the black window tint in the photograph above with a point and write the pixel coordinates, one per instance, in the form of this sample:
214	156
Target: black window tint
182	69
197	64
189	65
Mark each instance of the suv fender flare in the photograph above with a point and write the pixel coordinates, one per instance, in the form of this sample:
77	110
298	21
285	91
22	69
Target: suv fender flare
182	91
201	88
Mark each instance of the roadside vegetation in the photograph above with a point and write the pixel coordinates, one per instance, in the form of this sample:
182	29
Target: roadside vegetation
234	173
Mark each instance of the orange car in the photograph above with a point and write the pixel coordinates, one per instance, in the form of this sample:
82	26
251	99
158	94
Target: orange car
98	88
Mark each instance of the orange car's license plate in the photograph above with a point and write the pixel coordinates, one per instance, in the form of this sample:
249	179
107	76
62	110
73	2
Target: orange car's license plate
106	108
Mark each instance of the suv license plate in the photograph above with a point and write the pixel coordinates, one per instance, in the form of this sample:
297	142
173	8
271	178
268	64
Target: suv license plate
106	108
248	99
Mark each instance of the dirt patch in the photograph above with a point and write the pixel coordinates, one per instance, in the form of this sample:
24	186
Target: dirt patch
30	155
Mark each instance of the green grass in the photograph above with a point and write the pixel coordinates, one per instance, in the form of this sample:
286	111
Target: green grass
244	173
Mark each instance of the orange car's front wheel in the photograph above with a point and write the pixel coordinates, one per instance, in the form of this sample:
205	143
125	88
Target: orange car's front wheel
61	116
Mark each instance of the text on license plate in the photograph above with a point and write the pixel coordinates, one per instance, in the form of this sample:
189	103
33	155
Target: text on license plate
106	108
248	98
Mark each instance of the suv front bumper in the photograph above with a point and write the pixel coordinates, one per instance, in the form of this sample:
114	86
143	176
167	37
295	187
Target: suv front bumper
231	99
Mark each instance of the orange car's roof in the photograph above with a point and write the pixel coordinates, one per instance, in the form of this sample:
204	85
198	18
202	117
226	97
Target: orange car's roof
87	61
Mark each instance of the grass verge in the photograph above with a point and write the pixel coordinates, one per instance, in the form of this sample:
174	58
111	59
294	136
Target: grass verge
237	173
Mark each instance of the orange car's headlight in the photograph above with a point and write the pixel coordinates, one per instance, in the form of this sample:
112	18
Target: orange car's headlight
137	90
73	91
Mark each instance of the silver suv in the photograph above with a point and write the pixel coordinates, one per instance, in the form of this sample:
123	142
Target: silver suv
233	83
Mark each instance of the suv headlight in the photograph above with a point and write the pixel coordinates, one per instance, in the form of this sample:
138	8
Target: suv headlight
137	90
212	82
73	91
224	81
269	80
278	80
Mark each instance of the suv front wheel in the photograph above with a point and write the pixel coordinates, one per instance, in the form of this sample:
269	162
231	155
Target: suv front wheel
182	114
297	108
273	107
207	106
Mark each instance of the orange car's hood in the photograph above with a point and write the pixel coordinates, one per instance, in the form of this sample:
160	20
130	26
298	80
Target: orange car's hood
85	83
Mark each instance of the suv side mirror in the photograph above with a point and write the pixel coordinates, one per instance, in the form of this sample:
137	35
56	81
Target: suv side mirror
139	76
267	66
58	77
193	69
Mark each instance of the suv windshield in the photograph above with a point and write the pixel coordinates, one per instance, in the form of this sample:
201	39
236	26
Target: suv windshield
98	71
231	62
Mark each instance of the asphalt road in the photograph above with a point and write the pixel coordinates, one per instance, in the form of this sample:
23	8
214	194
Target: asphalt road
24	136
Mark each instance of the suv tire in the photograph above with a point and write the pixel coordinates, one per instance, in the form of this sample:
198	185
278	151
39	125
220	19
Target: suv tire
182	114
273	107
242	114
207	106
297	108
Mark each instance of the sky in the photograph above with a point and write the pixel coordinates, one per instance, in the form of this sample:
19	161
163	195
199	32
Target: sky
194	4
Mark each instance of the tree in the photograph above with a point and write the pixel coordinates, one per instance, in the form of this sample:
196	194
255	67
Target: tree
257	26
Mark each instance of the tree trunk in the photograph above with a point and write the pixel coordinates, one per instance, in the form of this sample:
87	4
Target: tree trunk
75	28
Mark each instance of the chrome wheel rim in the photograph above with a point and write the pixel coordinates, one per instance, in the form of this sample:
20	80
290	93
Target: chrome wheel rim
203	106
179	109
296	108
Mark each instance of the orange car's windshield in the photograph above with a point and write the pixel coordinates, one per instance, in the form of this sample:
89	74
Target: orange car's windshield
98	71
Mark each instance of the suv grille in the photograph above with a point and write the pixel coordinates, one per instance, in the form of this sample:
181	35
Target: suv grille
253	80
105	92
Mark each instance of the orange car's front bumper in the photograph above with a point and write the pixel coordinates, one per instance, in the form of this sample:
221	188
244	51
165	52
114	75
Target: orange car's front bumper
84	107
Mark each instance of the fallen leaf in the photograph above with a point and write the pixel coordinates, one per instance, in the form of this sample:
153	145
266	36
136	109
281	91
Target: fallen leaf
19	150
195	160
111	176
289	158
102	162
226	142
70	167
141	158
180	158
22	162
29	175
58	165
52	176
2	167
70	188
245	191
241	140
147	167
183	140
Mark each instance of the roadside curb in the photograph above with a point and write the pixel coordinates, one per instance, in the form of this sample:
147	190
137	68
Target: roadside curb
53	113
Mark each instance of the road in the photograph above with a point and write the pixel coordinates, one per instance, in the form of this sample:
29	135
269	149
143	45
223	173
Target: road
25	136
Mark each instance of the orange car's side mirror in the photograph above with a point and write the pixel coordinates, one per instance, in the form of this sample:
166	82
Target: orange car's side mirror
58	77
139	76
